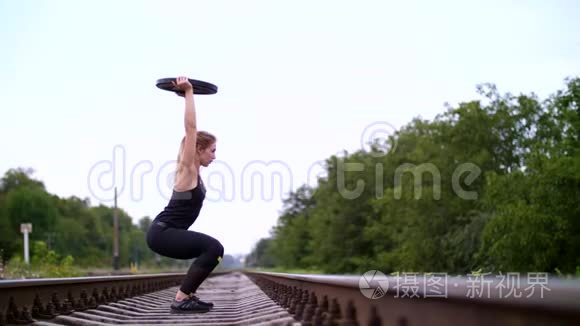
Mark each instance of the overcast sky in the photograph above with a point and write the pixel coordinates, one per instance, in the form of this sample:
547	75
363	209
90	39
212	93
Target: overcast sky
298	82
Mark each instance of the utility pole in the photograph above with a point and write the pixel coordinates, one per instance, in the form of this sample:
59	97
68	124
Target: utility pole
26	228
49	240
115	235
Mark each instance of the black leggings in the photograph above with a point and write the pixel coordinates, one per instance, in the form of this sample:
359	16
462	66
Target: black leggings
185	244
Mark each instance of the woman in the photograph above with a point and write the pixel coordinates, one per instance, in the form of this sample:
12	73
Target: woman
168	234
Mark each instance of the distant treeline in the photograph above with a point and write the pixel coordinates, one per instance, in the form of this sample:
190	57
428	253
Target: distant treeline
68	226
491	185
70	229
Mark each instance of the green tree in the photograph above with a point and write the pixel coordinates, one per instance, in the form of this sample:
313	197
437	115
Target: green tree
20	177
31	205
403	206
261	255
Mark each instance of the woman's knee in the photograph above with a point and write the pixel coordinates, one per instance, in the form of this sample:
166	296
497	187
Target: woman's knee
217	248
212	255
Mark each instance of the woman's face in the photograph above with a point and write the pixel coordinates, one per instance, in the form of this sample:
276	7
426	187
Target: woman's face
206	156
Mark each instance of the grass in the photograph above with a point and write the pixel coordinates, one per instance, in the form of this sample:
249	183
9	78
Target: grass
287	270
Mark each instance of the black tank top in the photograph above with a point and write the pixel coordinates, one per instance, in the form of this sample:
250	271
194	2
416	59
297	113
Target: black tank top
183	207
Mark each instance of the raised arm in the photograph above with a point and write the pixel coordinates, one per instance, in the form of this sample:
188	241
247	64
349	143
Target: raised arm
189	148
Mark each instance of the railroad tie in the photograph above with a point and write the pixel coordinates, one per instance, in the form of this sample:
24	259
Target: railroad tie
237	300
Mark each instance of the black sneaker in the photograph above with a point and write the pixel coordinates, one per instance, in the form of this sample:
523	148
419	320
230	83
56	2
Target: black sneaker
188	306
195	298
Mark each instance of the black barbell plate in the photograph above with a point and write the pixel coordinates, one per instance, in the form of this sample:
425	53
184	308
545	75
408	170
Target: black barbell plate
199	87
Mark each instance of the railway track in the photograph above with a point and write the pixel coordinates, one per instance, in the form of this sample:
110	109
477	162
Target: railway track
257	298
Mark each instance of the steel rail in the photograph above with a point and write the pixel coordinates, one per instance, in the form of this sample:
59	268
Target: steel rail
22	301
310	299
341	300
